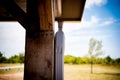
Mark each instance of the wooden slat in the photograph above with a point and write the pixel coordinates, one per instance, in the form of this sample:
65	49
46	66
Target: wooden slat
45	10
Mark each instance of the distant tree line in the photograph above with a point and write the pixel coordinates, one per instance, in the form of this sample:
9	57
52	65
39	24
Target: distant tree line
68	59
13	59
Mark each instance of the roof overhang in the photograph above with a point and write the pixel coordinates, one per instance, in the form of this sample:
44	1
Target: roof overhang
71	10
65	10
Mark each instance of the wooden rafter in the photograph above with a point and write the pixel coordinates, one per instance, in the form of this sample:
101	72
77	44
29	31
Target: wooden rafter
15	11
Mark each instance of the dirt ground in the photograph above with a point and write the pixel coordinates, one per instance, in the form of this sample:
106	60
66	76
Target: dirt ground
78	72
14	76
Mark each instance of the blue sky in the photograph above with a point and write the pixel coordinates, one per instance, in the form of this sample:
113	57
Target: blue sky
101	20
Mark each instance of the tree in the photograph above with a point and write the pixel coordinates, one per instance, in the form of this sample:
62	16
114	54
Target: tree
21	58
2	58
77	60
95	49
16	58
117	61
108	60
69	59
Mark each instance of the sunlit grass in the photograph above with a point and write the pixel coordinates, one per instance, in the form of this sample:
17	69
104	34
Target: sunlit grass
100	72
11	71
71	72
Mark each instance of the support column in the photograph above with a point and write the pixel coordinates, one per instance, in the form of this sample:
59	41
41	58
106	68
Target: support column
39	56
39	52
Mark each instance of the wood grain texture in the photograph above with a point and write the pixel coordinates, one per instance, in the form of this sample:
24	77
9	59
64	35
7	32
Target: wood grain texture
39	56
57	8
39	51
45	10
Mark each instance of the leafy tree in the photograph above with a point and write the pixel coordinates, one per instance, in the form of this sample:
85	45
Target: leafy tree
1	54
86	60
77	60
2	58
117	61
95	49
21	58
99	61
108	60
69	59
16	58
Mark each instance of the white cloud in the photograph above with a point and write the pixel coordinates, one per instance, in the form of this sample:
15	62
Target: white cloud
97	22
72	26
90	23
91	3
108	22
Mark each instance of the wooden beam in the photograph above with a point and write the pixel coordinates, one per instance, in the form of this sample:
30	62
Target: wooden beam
5	15
58	8
22	4
45	10
15	11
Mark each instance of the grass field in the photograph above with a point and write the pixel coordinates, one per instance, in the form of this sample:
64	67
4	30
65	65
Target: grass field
100	72
71	72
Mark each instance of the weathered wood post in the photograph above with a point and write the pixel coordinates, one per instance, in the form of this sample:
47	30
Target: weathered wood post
39	50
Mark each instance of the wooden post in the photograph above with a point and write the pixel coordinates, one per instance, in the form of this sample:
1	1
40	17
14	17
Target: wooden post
39	51
39	56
